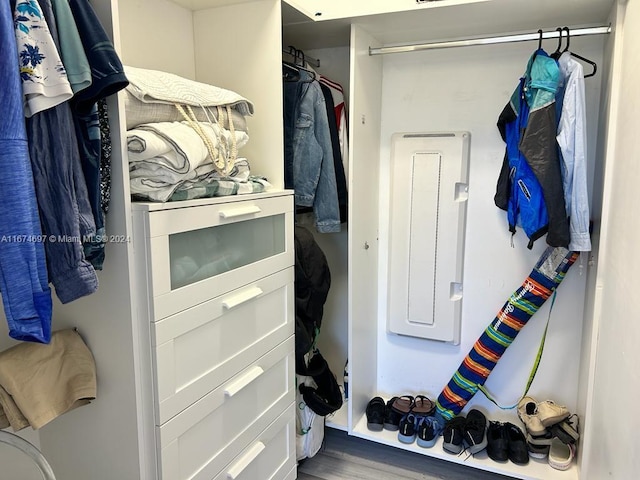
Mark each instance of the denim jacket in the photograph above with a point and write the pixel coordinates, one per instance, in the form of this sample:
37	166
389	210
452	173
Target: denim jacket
311	162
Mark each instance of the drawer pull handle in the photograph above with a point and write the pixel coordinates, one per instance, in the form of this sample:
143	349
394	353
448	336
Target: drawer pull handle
246	379
236	470
240	211
242	297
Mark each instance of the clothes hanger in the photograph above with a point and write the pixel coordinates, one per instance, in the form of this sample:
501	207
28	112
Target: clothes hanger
556	55
304	64
295	67
539	44
540	39
580	57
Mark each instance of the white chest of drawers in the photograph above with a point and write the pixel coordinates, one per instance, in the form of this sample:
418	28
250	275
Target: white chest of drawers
216	295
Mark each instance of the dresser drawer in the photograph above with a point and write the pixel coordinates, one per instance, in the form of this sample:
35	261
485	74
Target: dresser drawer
215	248
271	456
198	443
196	350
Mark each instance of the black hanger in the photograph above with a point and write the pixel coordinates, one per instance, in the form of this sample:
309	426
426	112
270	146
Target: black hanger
557	53
293	69
580	57
540	39
568	39
300	58
539	45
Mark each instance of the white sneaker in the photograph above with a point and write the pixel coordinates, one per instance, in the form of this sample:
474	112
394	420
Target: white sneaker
528	414
551	413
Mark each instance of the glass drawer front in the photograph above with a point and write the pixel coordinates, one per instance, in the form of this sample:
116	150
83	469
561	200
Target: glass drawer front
199	254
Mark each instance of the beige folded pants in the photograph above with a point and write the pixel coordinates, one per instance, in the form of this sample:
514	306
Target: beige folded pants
39	382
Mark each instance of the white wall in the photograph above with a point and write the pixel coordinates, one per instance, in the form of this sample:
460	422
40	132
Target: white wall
617	381
15	464
466	89
157	34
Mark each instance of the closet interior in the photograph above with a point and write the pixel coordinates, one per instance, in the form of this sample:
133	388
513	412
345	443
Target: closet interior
424	70
424	94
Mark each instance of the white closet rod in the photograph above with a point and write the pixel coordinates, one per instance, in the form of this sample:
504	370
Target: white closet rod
523	37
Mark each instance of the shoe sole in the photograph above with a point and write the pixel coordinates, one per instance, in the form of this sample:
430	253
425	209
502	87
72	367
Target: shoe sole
538	455
560	466
375	427
392	427
426	443
408	439
537	452
451	448
473	449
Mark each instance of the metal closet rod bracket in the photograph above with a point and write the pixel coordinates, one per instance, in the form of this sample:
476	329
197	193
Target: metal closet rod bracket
522	37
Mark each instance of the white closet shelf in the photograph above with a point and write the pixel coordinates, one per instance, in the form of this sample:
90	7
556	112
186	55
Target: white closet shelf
204	4
534	470
157	206
334	9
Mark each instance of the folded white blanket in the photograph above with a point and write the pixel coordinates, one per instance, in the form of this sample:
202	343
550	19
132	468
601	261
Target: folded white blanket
155	86
158	184
164	156
139	112
176	145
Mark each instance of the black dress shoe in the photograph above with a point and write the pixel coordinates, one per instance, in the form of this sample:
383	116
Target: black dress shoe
518	453
498	443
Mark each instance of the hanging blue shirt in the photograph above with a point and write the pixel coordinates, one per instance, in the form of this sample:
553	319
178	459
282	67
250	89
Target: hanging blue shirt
26	296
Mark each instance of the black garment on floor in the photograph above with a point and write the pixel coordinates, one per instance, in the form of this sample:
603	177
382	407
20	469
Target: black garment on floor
312	283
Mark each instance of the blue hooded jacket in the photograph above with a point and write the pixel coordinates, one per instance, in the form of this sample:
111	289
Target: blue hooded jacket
530	183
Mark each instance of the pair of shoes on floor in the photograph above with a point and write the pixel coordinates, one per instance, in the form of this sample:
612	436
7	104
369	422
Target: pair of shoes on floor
507	442
410	423
424	429
538	416
466	433
400	407
381	415
390	414
544	422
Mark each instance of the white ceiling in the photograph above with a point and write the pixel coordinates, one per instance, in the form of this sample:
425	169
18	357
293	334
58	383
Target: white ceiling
443	20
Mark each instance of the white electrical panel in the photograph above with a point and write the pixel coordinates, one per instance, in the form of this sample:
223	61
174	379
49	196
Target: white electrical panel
429	191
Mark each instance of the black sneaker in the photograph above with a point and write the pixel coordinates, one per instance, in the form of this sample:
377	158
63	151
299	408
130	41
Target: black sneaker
375	414
517	444
391	417
453	435
429	429
408	428
475	429
497	442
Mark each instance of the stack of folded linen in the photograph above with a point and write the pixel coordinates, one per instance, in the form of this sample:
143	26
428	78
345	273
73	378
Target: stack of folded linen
183	138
